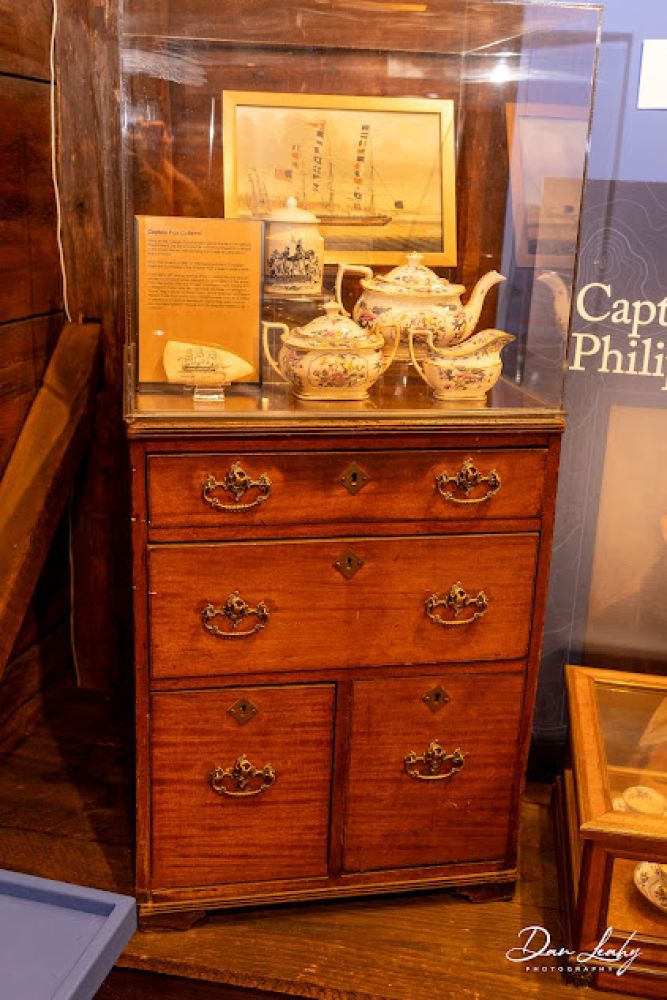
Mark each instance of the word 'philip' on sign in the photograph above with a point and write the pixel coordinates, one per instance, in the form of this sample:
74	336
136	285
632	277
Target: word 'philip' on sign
633	357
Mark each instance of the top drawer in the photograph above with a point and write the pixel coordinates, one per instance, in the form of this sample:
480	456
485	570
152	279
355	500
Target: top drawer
217	490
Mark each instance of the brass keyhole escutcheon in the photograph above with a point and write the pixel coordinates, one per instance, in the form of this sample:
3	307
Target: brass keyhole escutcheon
354	478
348	563
242	711
436	698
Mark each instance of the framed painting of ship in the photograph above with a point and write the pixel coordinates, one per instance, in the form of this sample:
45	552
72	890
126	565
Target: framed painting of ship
379	173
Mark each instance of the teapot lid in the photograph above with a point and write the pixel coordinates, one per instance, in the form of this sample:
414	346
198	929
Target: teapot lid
412	278
333	330
290	212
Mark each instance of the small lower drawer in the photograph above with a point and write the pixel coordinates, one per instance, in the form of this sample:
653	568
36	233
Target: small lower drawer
258	607
408	805
269	824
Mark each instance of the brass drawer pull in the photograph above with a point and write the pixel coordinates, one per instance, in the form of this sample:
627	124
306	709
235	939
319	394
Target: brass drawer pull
455	601
235	610
466	479
239	775
434	759
237	482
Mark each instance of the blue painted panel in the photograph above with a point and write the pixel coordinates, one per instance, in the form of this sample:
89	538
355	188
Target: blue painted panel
59	941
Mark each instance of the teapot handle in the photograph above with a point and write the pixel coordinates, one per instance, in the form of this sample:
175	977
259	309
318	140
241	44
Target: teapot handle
344	269
412	355
265	340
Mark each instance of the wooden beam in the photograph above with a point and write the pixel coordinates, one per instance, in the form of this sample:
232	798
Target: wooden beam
40	472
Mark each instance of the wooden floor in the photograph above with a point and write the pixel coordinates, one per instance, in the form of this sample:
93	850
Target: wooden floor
65	812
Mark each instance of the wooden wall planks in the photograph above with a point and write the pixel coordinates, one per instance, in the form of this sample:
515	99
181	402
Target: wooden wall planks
29	269
25	30
90	157
30	322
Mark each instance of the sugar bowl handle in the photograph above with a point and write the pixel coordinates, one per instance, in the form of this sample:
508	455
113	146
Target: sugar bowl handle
266	326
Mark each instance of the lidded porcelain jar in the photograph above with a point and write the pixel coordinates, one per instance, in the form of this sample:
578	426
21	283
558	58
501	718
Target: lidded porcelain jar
329	358
413	301
293	252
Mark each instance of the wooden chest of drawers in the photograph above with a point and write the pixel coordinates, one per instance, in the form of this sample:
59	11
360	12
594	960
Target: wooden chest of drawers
337	638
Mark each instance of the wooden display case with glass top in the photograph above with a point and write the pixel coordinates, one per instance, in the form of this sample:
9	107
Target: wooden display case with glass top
611	819
331	593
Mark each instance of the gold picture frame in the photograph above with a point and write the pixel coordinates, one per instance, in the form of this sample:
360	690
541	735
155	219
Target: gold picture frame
379	172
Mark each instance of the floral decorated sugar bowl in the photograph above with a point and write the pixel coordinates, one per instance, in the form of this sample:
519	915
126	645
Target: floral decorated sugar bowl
412	300
330	358
464	371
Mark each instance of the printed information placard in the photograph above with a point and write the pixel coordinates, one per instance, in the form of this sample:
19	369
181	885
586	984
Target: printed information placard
198	284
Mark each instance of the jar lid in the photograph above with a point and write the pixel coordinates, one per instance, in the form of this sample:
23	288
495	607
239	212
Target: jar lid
290	212
412	278
333	330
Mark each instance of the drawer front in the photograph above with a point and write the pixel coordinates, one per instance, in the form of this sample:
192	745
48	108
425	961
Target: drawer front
257	607
221	491
269	824
407	804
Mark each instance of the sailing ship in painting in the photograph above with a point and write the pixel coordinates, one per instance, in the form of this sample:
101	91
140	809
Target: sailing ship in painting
313	178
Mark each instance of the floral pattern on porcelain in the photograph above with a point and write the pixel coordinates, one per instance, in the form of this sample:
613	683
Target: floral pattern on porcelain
461	381
468	370
338	370
330	358
412	297
648	879
331	374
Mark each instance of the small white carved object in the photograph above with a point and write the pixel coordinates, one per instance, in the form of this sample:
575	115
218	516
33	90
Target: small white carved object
202	364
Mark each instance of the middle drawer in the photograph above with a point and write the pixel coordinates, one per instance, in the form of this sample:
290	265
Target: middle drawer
276	606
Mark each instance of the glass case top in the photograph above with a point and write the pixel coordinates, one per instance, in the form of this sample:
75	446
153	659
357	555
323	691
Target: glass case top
277	157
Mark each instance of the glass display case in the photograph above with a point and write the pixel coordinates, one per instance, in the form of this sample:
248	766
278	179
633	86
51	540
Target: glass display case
612	829
393	156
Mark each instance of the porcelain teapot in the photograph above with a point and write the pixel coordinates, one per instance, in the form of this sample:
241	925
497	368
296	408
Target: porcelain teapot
329	358
464	371
413	300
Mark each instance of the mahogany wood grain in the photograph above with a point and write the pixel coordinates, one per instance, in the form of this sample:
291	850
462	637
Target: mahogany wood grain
395	819
421	946
307	488
202	838
29	270
538	615
40	472
24	38
319	619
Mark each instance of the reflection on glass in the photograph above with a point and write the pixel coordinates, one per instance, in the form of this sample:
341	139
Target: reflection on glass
633	723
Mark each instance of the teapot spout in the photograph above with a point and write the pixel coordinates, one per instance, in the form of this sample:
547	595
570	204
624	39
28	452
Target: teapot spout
474	304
